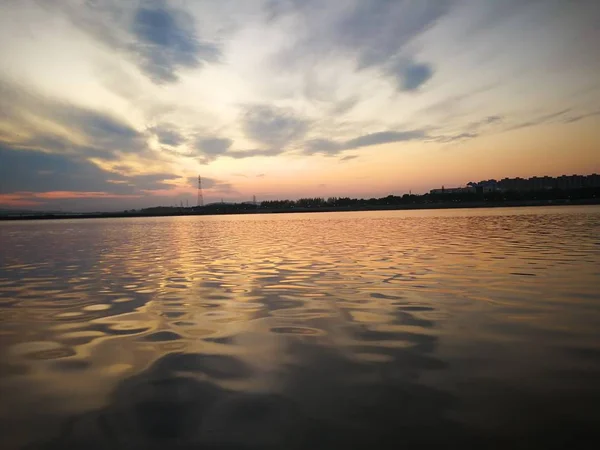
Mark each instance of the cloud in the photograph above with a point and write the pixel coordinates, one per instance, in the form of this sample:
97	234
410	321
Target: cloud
384	137
545	118
240	154
455	138
46	144
579	117
57	200
344	106
328	147
213	146
103	131
36	171
493	119
489	120
276	9
167	135
411	75
376	34
564	116
324	146
212	184
96	124
59	127
273	127
474	129
492	14
348	157
17	201
380	29
495	123
158	37
166	40
152	181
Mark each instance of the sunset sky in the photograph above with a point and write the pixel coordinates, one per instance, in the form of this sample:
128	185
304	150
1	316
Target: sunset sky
110	104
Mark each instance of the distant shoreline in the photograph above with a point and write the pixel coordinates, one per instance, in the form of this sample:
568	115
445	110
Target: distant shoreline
259	210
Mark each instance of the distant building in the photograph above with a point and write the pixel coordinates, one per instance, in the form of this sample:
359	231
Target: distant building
570	181
456	190
593	180
564	182
486	186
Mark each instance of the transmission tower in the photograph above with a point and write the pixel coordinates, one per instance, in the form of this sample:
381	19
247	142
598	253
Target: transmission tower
200	196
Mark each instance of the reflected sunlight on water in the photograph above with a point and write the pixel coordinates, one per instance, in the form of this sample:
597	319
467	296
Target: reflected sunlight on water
302	330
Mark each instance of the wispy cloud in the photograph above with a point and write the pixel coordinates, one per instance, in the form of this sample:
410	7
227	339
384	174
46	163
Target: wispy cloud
56	126
377	33
329	147
240	154
37	171
541	119
384	137
486	122
456	103
209	149
167	40
212	147
456	138
380	29
273	127
168	135
212	185
157	36
578	117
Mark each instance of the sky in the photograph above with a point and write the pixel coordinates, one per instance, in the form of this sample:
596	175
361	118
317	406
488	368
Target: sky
112	105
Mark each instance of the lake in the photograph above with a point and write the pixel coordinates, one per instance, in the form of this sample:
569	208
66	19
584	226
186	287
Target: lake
391	329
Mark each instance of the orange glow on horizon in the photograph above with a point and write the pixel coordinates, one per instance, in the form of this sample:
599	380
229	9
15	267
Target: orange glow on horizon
20	199
16	200
54	195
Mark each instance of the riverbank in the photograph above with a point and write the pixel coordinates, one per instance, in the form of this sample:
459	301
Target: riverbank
226	209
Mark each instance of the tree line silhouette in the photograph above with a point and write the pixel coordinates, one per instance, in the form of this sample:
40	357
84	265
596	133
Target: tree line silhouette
585	195
429	198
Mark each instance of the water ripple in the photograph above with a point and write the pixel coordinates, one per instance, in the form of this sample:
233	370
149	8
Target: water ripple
300	331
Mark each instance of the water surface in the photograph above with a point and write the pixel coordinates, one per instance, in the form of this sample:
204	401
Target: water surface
401	329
